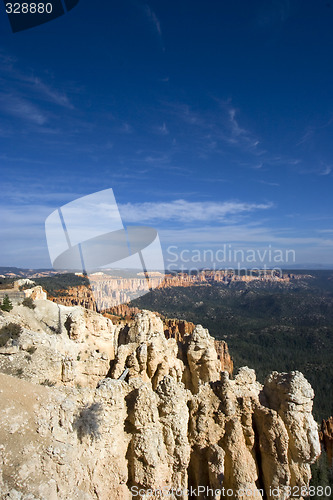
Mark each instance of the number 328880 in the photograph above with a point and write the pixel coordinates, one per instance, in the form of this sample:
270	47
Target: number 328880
26	8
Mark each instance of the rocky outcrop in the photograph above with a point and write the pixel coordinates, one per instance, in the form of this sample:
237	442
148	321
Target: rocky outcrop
178	329
35	293
326	438
24	282
130	411
124	311
59	345
76	296
181	330
224	357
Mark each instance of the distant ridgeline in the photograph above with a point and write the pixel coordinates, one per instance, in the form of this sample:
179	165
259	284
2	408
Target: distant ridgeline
60	283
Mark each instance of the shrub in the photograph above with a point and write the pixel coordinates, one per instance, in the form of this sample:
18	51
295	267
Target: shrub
87	422
10	331
6	304
28	302
48	383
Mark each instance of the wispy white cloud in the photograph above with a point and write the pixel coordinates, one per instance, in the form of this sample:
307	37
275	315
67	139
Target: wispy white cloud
258	166
156	159
232	131
238	133
311	131
188	115
305	137
22	108
244	234
187	212
153	19
217	128
326	171
51	94
268	183
162	129
323	169
21	159
27	84
124	128
24	238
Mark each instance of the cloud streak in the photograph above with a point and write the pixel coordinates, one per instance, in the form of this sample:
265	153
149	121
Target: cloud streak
327	170
153	20
186	212
22	108
237	133
242	234
61	99
216	129
31	105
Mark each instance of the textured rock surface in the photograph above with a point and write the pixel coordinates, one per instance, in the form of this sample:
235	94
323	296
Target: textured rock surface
131	409
36	293
59	345
180	329
76	296
326	438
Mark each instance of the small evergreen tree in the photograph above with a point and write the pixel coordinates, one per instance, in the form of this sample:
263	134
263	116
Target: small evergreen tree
6	304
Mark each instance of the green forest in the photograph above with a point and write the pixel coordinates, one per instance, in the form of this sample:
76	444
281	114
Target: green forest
57	284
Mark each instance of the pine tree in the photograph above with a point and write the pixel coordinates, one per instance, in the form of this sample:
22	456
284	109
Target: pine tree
6	304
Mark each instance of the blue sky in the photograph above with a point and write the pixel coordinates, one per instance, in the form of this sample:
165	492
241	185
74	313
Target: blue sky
211	121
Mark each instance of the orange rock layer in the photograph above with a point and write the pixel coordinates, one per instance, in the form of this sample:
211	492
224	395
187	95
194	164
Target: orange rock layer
326	438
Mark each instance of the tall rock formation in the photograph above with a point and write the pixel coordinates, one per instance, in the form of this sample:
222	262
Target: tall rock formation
90	410
181	330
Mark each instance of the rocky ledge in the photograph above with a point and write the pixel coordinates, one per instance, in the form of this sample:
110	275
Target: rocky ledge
90	410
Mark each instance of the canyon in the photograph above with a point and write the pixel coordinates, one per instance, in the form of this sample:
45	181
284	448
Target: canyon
140	409
106	292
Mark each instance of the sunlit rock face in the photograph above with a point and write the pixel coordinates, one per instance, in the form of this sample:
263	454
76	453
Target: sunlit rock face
90	410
